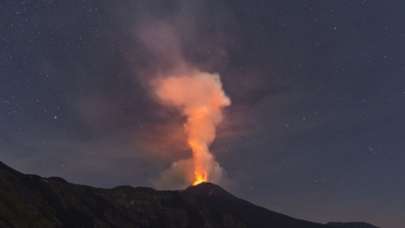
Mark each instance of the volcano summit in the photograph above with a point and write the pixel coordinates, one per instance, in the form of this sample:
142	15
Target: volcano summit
34	201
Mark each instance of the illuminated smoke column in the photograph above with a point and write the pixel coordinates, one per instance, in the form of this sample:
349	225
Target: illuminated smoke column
200	98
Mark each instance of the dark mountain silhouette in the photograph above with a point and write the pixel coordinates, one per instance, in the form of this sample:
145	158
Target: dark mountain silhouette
350	225
34	201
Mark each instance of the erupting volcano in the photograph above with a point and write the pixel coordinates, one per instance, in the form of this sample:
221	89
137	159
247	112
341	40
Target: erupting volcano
200	98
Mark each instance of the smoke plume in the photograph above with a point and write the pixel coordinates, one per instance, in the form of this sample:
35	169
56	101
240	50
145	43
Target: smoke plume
200	98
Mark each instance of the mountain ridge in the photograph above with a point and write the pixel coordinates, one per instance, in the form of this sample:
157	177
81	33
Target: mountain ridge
34	201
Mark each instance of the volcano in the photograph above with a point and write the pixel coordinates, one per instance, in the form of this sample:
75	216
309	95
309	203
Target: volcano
34	201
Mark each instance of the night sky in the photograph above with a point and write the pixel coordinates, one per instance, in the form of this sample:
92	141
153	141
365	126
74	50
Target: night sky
316	126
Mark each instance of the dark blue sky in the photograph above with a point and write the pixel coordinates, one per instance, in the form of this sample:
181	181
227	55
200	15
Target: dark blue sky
316	128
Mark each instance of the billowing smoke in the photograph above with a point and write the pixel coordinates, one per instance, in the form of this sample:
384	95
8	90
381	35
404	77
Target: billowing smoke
178	53
200	98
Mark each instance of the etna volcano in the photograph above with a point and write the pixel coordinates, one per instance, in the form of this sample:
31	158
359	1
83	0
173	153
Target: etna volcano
34	201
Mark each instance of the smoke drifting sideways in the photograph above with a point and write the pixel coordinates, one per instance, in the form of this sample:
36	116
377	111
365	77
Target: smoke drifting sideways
199	97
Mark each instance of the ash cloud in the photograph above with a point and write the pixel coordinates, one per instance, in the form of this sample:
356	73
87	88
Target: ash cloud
175	49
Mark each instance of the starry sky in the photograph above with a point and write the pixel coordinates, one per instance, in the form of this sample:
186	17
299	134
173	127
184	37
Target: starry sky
317	121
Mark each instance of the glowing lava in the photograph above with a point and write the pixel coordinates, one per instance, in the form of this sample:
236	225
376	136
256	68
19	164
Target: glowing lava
199	178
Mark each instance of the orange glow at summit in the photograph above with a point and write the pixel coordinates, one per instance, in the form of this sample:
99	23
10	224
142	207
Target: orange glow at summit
199	96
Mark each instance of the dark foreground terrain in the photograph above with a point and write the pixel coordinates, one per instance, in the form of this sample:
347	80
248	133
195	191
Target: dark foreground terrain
33	201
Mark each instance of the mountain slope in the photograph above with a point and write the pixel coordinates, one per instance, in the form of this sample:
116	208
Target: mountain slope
350	225
33	201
